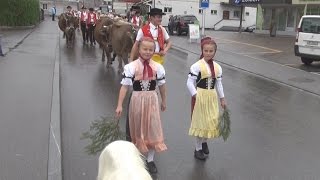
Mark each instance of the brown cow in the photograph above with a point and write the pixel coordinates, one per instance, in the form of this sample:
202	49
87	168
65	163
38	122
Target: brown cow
102	36
122	36
67	24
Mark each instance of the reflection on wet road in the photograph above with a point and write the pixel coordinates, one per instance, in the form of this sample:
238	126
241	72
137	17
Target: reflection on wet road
274	127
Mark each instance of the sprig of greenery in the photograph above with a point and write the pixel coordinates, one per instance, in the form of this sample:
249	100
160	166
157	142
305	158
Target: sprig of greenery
102	132
225	124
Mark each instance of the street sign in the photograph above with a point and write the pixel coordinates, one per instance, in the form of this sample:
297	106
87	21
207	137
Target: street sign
237	1
204	3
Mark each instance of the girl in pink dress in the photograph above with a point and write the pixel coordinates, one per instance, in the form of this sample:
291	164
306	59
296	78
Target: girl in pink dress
145	126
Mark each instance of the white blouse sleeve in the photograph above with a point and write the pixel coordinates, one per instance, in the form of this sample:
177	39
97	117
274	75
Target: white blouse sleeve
165	33
192	77
219	86
139	35
161	75
127	75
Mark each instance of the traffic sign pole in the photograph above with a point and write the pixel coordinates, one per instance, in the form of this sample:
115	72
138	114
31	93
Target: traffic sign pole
203	22
203	5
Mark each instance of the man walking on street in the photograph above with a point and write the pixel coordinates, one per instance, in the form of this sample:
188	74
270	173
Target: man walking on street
155	31
83	24
53	12
91	23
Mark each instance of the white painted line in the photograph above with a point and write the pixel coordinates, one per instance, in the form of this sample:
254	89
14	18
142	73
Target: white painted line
258	53
55	141
248	44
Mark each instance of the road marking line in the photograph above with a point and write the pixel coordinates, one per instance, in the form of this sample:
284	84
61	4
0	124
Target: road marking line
55	140
292	64
262	47
263	52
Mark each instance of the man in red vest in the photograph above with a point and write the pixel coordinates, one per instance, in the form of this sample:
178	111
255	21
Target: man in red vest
83	23
157	33
91	24
136	19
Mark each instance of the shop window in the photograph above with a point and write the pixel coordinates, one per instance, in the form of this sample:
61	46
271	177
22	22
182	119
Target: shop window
167	9
236	14
200	11
247	13
214	12
44	6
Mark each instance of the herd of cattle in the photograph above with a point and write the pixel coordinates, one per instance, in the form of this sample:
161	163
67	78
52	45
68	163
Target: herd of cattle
115	36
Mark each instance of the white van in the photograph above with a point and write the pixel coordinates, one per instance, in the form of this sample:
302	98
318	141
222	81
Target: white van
307	45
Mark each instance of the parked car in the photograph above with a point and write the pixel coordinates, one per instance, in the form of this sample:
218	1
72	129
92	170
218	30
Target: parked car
250	28
307	45
179	23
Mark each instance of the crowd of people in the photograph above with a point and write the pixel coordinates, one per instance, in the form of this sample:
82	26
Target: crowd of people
147	73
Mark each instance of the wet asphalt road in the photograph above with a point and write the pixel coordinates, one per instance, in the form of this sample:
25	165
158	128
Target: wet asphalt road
274	127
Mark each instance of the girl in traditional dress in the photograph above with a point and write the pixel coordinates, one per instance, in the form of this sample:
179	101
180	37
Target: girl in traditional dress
205	86
144	112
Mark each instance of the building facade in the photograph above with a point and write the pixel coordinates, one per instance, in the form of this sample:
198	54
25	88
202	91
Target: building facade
219	16
282	16
61	5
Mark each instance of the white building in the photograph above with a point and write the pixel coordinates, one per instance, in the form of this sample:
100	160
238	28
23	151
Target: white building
220	14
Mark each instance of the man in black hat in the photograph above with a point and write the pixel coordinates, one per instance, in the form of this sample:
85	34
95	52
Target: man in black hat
69	12
160	36
155	31
91	24
136	19
83	23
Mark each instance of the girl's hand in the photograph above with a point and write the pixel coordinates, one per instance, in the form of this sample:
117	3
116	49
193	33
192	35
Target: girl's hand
163	106
223	103
118	112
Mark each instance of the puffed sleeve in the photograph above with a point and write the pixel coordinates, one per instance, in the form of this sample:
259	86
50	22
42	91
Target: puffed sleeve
219	86
192	77
165	33
161	75
128	74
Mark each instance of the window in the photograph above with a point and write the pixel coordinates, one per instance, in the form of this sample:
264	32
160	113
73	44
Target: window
200	11
214	12
311	25
44	6
236	14
167	9
247	13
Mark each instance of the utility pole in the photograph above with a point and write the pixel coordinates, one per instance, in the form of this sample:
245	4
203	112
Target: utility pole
241	17
203	22
154	3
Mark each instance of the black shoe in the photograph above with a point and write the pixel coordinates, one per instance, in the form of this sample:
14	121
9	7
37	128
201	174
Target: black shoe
199	155
152	167
205	148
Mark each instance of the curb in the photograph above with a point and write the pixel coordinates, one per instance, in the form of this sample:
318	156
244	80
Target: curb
55	154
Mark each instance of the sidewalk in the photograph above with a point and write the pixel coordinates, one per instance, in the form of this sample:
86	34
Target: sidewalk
13	38
30	104
228	55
